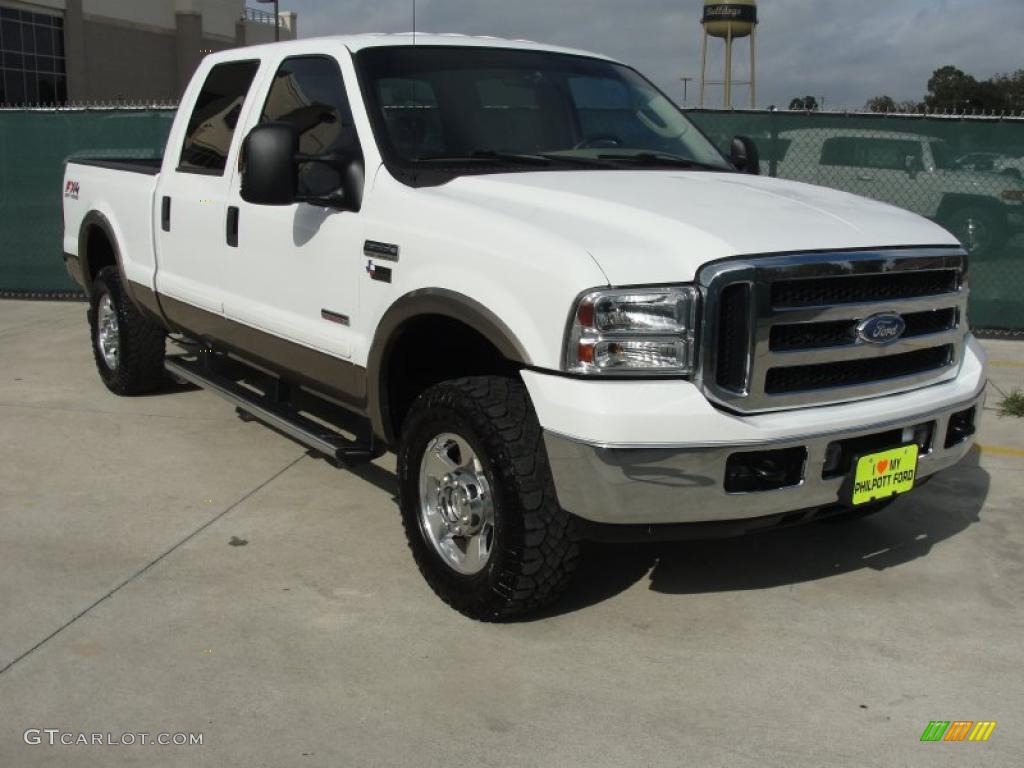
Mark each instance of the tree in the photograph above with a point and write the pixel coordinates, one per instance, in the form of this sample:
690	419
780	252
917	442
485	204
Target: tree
807	104
951	89
881	104
1011	89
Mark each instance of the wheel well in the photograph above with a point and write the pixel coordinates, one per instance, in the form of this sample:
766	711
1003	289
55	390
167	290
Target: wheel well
428	350
99	253
952	203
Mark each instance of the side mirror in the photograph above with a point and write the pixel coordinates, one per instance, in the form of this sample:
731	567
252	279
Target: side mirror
270	163
744	156
346	177
268	168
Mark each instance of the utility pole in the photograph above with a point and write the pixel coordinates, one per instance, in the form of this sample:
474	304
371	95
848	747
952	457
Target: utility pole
277	19
686	87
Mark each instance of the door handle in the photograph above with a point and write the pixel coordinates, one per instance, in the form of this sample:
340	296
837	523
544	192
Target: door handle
232	226
165	214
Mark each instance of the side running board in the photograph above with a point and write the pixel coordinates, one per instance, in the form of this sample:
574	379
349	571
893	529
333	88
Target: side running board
276	413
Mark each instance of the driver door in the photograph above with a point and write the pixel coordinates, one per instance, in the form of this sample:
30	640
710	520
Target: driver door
296	268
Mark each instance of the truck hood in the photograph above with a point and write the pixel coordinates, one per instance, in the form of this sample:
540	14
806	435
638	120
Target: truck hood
661	226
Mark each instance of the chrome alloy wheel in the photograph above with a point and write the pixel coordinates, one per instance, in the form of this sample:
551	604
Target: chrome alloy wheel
108	337
456	505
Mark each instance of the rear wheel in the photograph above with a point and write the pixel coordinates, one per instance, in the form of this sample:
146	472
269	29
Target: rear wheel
478	502
128	347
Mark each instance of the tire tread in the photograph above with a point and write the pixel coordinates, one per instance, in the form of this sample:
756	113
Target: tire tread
542	550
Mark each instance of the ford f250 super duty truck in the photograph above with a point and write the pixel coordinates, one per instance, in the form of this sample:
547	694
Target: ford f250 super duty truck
523	270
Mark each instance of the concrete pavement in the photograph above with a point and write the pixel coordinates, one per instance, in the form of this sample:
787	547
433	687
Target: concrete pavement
165	567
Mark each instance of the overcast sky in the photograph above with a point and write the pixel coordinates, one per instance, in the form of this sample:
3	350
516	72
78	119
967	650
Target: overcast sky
845	51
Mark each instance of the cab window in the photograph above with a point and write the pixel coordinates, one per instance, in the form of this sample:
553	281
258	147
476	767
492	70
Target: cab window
212	123
878	154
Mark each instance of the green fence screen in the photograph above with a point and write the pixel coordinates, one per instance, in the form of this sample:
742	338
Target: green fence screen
965	173
33	147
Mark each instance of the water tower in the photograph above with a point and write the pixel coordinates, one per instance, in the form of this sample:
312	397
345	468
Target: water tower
729	21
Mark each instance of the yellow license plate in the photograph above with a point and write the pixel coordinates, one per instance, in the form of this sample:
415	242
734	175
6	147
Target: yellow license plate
884	474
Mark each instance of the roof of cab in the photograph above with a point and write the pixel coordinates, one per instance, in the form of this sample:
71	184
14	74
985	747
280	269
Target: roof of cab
380	40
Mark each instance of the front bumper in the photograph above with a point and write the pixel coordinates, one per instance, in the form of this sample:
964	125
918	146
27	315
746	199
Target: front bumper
658	484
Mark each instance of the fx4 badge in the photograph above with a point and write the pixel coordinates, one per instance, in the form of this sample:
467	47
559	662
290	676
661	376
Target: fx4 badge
71	189
881	329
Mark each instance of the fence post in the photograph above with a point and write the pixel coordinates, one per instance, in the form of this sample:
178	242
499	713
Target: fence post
773	164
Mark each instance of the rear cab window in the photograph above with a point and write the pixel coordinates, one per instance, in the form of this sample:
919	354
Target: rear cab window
211	126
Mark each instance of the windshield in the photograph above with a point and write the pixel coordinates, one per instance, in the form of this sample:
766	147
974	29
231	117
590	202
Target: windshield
461	110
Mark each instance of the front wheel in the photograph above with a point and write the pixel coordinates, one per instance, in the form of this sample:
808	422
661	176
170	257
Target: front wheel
478	502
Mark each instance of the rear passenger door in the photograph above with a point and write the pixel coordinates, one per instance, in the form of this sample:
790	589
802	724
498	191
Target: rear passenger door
296	268
192	192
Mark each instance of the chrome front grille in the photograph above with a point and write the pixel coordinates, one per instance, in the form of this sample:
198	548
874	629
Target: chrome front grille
782	331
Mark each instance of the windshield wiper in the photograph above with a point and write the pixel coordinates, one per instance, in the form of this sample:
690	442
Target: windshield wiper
579	160
662	159
517	158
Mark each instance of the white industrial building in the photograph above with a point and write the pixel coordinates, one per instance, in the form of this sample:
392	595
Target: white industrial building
53	51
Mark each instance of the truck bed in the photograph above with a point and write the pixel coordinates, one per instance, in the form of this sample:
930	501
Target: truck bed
116	194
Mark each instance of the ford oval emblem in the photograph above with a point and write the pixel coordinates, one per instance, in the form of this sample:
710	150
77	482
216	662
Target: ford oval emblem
881	329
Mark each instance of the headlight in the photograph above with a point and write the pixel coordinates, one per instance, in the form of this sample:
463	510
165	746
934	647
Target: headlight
638	331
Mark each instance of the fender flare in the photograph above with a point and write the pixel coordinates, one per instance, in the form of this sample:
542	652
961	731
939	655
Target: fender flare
420	303
145	300
952	202
96	220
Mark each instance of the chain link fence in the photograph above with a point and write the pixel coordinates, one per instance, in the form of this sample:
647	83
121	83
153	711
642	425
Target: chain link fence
965	173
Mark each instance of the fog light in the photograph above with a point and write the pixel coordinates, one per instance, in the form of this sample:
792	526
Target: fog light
765	470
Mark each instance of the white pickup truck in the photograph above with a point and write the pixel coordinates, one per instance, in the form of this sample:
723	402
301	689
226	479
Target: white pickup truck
525	271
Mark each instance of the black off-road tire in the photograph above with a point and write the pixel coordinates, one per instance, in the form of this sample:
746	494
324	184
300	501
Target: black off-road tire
536	545
140	365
